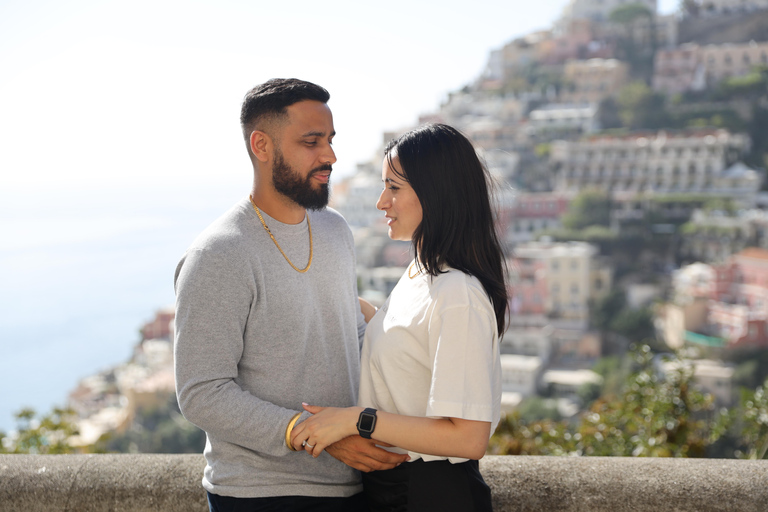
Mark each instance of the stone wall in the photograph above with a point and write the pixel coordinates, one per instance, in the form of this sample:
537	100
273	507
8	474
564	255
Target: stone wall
170	483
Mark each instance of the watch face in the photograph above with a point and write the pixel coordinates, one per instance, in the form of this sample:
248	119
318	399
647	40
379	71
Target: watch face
366	422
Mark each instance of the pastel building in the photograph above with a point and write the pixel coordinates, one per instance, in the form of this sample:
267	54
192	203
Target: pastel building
592	80
693	67
531	213
557	279
723	305
730	60
161	326
679	69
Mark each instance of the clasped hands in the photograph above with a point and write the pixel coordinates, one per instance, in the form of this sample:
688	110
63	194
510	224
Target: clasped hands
334	430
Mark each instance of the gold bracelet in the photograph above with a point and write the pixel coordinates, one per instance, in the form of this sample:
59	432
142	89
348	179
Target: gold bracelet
288	431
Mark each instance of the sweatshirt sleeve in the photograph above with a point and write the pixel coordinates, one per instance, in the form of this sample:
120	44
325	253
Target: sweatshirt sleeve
213	301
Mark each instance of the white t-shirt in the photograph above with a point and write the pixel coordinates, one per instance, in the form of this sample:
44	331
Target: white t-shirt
432	350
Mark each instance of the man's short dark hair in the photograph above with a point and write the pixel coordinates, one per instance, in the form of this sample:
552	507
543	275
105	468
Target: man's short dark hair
269	101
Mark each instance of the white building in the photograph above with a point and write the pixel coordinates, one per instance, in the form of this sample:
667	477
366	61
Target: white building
355	197
566	383
563	117
520	374
698	162
528	336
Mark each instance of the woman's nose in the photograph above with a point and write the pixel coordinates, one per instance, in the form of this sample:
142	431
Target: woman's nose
383	202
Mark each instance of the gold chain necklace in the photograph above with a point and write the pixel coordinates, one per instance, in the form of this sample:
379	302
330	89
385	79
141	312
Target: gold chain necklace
418	271
309	226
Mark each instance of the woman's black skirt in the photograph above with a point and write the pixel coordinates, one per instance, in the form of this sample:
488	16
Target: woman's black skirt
420	486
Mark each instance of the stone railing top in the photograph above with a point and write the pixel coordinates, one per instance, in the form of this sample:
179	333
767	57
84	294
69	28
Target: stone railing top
169	483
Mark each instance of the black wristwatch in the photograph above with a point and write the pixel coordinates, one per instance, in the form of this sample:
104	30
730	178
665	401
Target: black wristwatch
367	422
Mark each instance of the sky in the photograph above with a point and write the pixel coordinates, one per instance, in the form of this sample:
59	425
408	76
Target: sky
112	109
104	94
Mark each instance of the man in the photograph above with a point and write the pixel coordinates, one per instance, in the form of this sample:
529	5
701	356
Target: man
267	317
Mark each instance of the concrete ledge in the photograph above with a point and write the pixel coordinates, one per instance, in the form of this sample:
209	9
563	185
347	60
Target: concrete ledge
130	483
623	484
170	483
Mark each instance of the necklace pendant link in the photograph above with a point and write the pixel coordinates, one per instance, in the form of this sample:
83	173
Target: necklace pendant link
266	228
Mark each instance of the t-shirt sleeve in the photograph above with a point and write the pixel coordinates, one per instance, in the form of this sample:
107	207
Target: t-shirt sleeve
462	351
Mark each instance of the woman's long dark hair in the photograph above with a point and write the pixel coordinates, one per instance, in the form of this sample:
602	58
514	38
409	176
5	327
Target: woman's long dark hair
457	227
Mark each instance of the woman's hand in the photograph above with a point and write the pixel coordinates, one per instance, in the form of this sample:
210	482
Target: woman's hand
326	426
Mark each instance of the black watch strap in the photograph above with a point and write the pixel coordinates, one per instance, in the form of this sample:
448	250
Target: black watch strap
366	423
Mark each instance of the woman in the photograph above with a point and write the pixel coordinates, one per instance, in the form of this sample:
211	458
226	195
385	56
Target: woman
431	379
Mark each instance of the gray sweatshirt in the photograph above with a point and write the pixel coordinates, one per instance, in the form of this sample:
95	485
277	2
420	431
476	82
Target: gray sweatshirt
255	339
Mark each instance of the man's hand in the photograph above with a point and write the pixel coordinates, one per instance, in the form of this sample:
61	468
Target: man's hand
363	454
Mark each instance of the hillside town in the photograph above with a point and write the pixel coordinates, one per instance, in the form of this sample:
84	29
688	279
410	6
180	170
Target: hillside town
629	151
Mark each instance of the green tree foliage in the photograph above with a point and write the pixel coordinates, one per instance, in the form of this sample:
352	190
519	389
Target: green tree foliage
641	108
608	114
634	324
589	208
631	46
604	310
542	150
758	131
651	417
754	432
537	408
47	435
159	429
629	13
751	367
752	85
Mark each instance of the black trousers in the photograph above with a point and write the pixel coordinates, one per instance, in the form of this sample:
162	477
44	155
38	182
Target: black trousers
354	503
420	486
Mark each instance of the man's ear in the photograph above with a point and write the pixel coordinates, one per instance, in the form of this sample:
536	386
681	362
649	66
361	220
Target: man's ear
261	145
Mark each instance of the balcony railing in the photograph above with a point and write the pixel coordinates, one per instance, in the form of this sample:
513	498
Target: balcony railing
170	483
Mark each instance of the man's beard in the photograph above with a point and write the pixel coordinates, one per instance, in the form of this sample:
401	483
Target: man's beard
299	190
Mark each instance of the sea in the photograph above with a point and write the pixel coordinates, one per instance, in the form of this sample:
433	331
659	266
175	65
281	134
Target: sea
82	268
